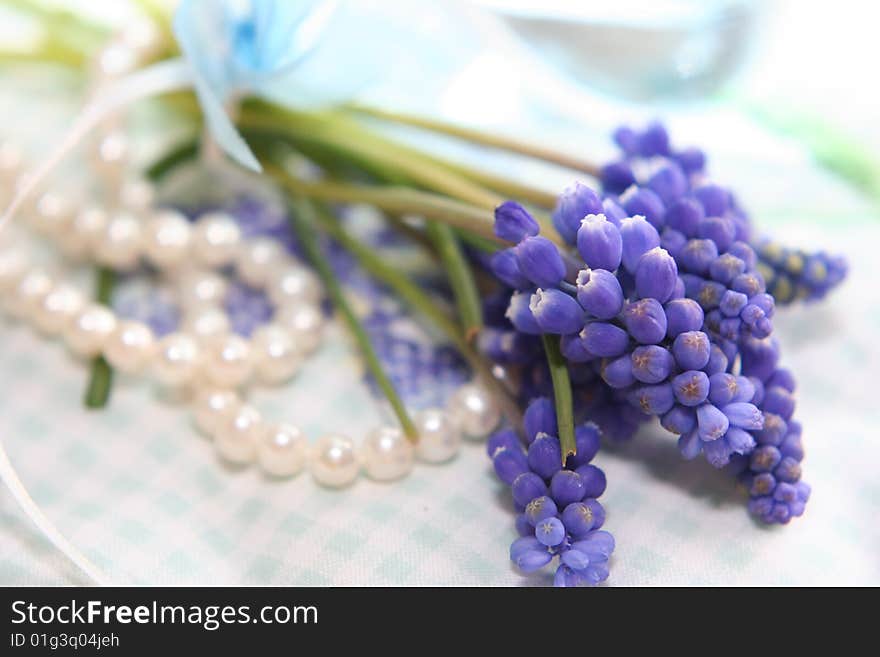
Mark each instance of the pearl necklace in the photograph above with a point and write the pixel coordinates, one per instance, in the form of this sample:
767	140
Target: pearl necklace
204	357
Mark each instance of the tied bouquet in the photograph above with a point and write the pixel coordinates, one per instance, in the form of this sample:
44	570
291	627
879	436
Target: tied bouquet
643	290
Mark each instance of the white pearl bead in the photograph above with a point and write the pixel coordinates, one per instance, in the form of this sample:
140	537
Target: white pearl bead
53	216
111	154
167	239
276	357
294	284
215	239
27	296
387	454
207	321
13	266
334	461
122	243
90	329
89	227
306	324
58	308
439	438
177	359
137	195
197	288
282	450
474	411
130	347
238	434
213	407
228	362
258	259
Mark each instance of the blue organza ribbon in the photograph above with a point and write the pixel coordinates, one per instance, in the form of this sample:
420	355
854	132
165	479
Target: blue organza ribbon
248	47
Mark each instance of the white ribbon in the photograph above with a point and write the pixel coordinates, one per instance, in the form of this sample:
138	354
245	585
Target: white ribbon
32	510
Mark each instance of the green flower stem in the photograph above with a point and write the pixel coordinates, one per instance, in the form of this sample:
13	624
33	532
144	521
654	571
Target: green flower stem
341	136
461	278
561	395
422	303
101	376
486	139
302	220
397	200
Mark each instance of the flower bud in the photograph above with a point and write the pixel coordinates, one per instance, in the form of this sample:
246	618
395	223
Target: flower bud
540	508
599	293
513	222
613	212
574	349
711	422
684	216
527	487
672	240
645	320
599	242
567	487
540	417
519	314
697	256
691	388
653	399
637	237
778	400
683	315
604	340
618	372
509	464
616	177
575	203
668	182
691	350
642	201
556	312
726	267
744	415
578	520
679	419
651	364
732	303
653	140
594	480
586	440
722	388
505	266
540	261
691	160
656	274
550	532
720	230
714	199
545	455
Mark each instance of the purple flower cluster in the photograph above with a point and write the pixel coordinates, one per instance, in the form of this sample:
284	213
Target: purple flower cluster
558	513
672	190
792	274
662	311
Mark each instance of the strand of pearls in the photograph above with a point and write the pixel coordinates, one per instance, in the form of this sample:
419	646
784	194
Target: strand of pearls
204	357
